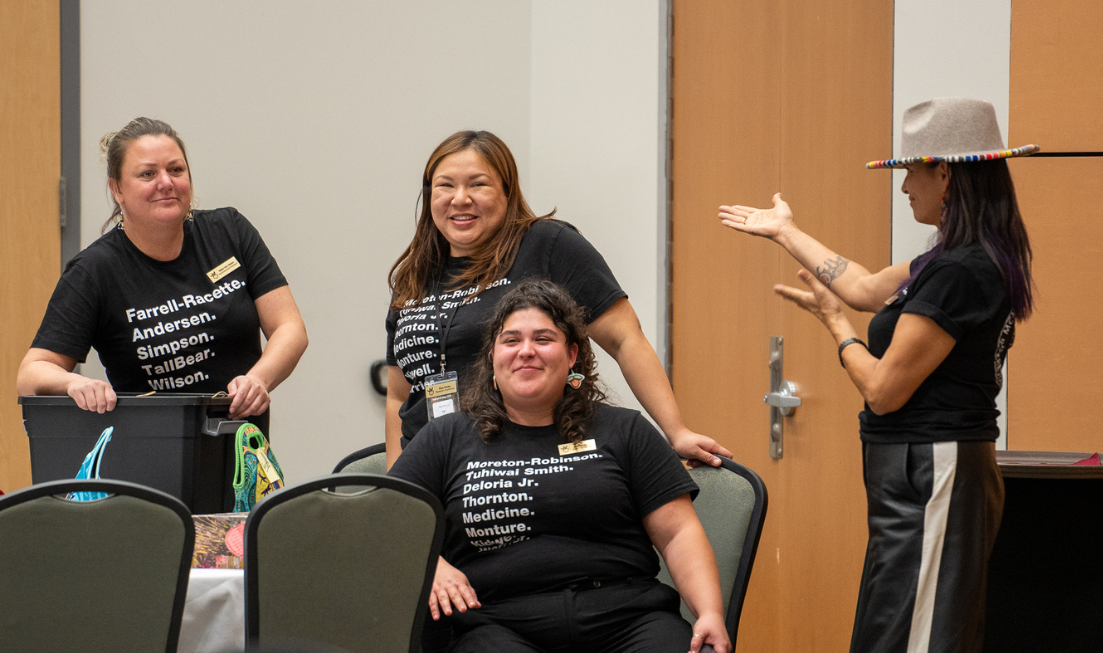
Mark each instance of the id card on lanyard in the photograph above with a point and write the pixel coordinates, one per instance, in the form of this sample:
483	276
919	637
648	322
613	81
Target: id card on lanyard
442	391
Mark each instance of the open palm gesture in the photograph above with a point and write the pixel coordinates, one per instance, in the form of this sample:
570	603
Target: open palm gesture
768	223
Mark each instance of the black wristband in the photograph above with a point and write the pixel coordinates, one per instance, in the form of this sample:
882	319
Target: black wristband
846	343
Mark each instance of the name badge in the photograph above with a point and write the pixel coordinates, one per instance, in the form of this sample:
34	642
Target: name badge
577	447
442	394
223	268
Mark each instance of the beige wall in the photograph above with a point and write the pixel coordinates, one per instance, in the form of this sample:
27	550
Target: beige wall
315	120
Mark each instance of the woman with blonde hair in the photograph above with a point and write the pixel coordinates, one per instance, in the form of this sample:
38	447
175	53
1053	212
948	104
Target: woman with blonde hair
172	299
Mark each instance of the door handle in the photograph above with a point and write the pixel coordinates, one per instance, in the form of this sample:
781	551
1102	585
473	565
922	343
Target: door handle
782	397
785	398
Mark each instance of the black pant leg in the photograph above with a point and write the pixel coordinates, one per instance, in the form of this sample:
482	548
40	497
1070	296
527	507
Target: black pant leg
637	617
488	638
898	486
973	521
934	511
541	620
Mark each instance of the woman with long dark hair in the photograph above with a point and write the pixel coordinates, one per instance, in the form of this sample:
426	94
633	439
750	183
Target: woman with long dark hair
476	235
556	503
929	375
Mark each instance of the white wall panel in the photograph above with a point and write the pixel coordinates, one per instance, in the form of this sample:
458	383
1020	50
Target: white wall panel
598	143
946	48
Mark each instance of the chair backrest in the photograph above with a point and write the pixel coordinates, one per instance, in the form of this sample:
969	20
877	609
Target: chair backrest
346	569
732	508
369	460
104	575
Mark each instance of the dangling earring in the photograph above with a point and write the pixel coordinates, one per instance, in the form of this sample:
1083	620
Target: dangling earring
494	381
942	207
574	379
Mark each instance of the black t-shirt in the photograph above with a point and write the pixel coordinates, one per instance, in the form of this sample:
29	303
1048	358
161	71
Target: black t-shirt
963	292
550	249
521	518
185	325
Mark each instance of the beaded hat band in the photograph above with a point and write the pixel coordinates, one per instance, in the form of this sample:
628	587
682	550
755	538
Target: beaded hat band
954	130
1025	150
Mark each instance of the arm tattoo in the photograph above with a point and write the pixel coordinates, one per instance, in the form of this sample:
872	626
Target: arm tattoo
832	269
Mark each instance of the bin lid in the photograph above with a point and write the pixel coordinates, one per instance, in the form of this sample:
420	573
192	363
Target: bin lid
133	399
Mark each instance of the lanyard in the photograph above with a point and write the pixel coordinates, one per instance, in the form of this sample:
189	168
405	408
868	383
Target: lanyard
443	328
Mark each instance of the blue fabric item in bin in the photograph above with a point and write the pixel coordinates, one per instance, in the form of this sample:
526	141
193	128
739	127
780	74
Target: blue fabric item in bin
90	468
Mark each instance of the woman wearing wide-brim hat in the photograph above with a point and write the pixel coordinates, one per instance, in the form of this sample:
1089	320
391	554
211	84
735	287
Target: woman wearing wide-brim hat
929	375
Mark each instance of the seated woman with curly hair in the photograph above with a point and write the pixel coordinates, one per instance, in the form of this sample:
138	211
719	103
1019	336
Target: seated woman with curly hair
555	500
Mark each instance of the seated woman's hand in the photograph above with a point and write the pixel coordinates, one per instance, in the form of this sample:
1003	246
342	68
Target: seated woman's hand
250	396
91	394
710	630
451	590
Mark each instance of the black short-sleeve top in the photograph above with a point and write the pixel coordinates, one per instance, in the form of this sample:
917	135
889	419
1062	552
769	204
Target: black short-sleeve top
185	325
524	517
962	291
551	249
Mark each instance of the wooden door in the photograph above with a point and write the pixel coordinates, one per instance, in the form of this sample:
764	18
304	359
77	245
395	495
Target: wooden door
30	165
1054	380
796	97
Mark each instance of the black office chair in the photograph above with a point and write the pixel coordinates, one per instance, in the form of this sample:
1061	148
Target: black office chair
109	574
732	508
351	569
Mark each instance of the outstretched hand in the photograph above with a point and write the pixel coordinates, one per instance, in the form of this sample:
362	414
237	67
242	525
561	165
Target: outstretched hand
818	300
767	223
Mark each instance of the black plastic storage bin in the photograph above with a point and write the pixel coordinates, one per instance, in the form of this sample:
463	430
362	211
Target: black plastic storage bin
182	444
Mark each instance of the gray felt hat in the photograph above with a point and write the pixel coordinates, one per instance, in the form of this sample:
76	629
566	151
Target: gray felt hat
951	129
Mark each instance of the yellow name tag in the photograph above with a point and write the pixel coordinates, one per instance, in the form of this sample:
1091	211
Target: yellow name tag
224	268
440	389
577	447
